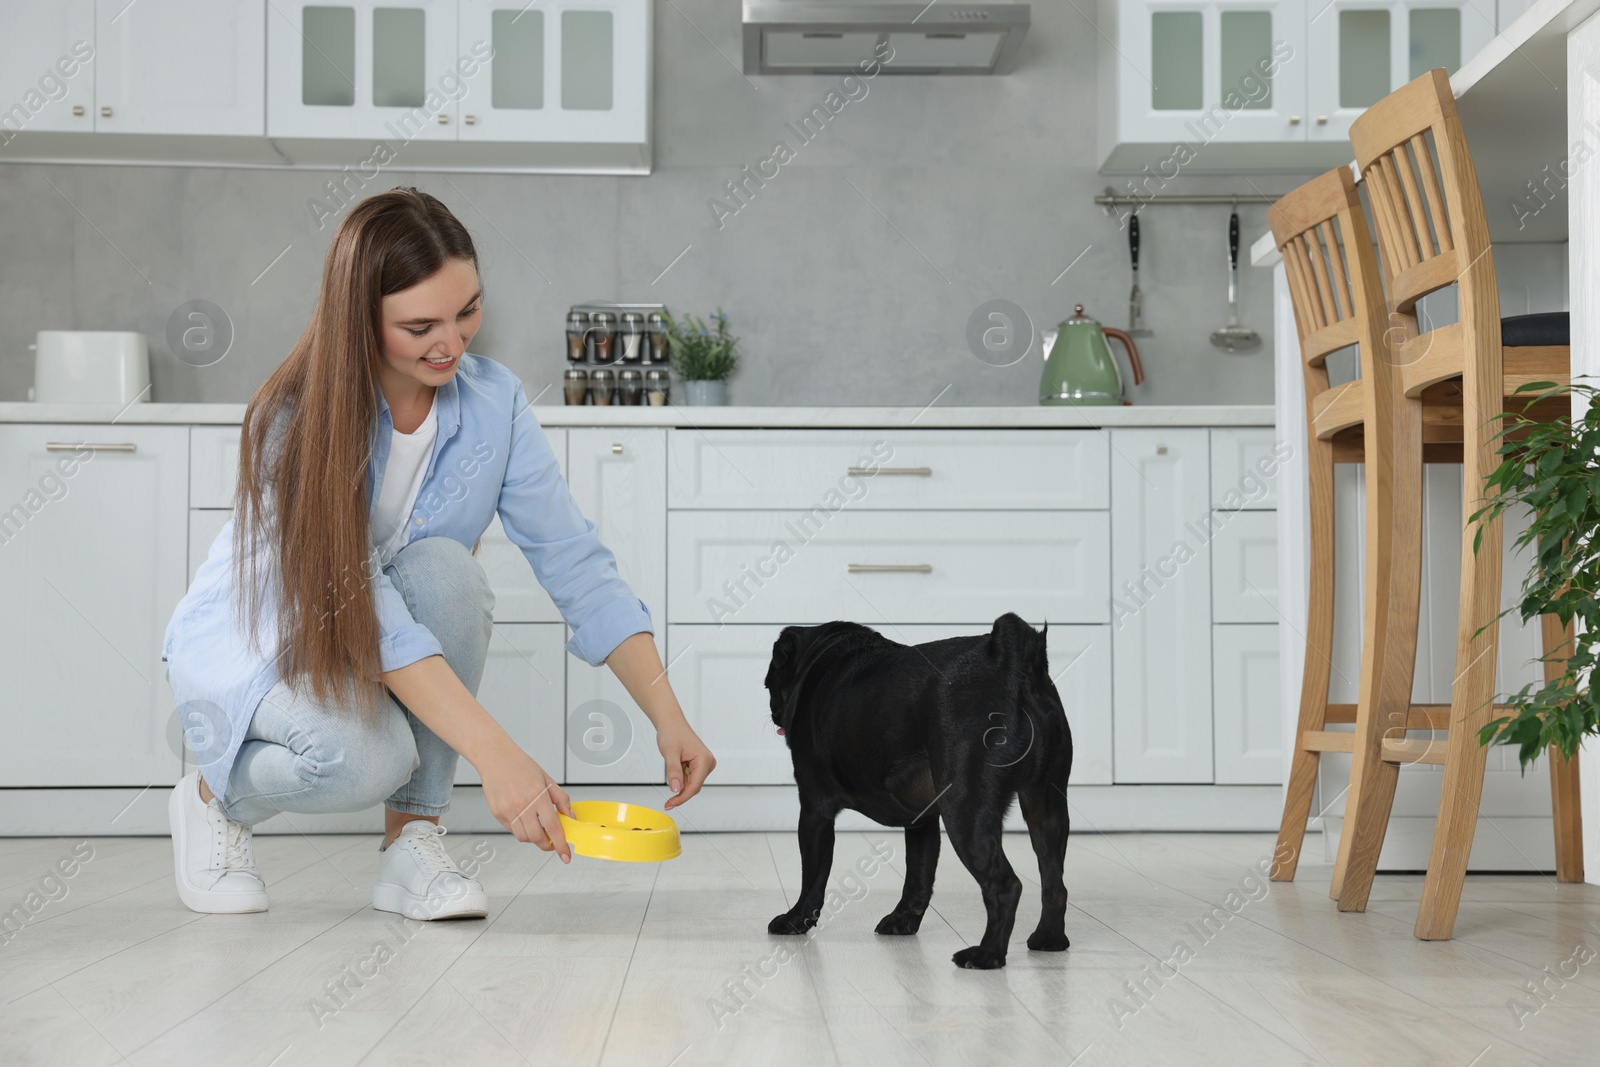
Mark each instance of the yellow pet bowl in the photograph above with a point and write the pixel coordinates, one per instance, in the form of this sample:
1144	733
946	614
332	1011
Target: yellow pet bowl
612	830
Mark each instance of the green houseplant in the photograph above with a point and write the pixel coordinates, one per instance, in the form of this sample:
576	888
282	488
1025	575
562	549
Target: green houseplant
703	354
1551	470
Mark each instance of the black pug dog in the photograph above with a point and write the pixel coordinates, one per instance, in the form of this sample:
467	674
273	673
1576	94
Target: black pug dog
907	734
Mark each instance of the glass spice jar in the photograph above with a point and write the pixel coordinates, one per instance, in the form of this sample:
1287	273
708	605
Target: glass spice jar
630	386
631	336
603	332
657	387
577	332
655	338
602	384
576	383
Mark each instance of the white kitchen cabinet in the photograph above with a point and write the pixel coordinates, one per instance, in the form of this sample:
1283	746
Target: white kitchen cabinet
180	67
1161	605
47	67
1249	725
92	564
1359	51
887	566
1245	466
523	687
363	69
568	71
1244	566
1181	89
719	674
1192	70
204	526
618	478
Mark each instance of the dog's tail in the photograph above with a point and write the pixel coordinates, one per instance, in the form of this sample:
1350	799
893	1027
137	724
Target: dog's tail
1013	636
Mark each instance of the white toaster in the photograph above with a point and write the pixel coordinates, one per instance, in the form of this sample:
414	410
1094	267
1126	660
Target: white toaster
90	367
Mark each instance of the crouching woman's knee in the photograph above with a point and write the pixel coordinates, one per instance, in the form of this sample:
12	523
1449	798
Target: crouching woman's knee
375	762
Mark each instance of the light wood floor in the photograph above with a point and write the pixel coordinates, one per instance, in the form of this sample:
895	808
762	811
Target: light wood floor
617	964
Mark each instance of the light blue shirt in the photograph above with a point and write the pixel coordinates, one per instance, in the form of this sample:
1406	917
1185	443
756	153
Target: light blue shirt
490	456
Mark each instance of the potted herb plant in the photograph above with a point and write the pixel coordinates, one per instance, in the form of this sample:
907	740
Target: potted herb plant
704	355
1549	468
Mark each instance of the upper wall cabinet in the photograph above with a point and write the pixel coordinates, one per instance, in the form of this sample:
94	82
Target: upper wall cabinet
552	86
365	68
172	66
1261	85
1362	50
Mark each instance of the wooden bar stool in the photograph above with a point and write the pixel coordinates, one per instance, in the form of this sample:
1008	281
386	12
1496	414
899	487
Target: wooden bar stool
1432	233
1335	287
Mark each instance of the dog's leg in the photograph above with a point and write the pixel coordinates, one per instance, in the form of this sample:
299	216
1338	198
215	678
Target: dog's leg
816	860
973	822
1044	808
922	857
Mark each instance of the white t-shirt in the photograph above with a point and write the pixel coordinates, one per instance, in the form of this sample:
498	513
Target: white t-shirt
402	481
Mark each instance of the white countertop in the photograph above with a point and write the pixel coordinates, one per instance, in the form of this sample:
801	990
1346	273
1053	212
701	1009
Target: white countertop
933	417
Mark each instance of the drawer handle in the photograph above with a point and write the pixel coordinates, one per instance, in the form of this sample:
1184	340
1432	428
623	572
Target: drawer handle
98	446
890	568
616	449
868	472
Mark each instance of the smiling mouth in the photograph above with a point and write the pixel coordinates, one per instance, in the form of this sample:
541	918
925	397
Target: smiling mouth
439	365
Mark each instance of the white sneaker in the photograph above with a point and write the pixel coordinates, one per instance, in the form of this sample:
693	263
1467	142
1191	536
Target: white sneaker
211	855
418	879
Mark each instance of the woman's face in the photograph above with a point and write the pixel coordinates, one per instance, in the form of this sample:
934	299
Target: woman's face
432	321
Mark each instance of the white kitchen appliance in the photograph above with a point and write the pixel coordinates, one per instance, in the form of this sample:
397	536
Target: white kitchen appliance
90	367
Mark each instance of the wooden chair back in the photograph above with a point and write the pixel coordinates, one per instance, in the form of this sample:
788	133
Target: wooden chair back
1432	233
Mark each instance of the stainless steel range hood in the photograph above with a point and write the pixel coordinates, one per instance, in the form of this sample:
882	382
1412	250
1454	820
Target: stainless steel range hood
811	37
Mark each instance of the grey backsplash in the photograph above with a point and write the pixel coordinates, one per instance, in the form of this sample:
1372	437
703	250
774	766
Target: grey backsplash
849	277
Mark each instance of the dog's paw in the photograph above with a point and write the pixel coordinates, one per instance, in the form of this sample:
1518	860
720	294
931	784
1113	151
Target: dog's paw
791	924
1040	941
899	922
978	958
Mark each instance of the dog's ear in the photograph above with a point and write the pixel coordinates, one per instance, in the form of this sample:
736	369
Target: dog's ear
785	653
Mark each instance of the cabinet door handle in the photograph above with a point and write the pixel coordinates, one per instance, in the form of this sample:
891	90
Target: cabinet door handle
890	568
77	109
616	449
1322	120
444	120
98	446
1294	120
868	472
471	120
105	112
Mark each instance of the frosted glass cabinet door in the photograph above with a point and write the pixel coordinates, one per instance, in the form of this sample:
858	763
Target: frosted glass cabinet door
1362	50
1191	70
563	71
43	69
92	564
180	68
364	69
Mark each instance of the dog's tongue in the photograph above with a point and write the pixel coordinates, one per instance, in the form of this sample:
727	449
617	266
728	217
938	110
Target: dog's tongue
780	731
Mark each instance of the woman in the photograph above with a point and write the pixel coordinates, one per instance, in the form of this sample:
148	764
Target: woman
369	461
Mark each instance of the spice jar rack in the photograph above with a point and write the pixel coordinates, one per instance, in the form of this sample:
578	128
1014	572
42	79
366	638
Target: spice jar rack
616	354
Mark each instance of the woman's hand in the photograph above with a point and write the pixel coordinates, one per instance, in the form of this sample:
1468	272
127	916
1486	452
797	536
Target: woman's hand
525	800
689	761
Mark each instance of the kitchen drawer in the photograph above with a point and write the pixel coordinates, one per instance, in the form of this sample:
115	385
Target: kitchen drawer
887	567
1244	566
213	466
719	674
1245	464
935	469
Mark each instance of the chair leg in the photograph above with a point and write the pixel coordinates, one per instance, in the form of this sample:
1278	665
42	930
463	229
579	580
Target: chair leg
1318	666
1388	649
1471	707
1564	804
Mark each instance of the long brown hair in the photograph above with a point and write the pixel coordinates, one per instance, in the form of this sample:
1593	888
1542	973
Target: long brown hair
306	446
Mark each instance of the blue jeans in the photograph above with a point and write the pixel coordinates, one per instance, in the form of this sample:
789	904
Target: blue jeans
304	756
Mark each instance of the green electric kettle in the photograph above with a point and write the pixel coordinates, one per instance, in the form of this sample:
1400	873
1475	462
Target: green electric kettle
1079	368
